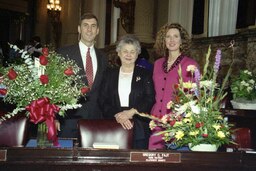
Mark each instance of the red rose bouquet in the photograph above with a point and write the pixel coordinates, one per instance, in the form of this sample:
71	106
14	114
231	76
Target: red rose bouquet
44	87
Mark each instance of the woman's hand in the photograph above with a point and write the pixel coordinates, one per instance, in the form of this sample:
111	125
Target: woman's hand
124	118
127	124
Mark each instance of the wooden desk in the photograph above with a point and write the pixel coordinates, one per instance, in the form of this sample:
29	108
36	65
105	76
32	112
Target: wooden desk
243	118
50	159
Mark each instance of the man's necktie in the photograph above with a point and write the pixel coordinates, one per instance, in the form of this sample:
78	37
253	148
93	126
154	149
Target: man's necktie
89	68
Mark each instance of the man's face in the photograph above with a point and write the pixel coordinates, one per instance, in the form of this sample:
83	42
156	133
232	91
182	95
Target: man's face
88	30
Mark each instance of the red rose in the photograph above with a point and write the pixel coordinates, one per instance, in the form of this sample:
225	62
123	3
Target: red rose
12	74
176	86
205	135
45	51
44	79
172	122
84	90
185	90
199	124
3	91
69	71
43	60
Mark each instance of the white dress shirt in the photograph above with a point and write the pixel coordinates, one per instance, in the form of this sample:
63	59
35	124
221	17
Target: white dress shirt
83	49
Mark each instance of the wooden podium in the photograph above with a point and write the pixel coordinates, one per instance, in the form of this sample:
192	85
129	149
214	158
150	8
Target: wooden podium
53	159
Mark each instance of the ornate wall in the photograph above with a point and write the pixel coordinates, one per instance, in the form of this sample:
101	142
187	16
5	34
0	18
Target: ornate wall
244	51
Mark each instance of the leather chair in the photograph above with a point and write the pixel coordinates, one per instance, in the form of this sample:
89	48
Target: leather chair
13	131
242	136
104	131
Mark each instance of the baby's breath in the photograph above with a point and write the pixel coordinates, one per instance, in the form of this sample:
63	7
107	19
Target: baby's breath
62	90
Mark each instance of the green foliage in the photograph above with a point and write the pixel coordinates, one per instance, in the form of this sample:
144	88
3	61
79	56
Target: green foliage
243	86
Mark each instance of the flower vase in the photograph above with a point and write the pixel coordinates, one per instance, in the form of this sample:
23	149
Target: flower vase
42	140
243	104
203	147
172	146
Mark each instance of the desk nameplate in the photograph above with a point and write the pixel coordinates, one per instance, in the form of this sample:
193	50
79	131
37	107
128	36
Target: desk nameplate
160	157
3	155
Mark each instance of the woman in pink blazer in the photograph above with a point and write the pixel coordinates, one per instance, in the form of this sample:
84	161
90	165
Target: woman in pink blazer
171	44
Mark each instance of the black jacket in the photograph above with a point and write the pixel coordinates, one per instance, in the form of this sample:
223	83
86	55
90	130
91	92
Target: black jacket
142	97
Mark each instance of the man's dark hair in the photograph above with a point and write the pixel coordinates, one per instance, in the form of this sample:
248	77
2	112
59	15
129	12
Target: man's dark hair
88	16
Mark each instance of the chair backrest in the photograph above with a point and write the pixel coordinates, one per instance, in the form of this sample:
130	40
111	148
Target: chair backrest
242	136
13	132
104	131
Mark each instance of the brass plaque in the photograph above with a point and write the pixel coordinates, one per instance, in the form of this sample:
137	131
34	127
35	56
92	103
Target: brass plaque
160	157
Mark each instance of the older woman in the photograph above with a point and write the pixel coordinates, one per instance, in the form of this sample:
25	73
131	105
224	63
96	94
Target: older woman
128	89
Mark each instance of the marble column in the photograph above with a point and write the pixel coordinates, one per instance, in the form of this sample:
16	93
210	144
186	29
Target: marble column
181	11
70	15
143	25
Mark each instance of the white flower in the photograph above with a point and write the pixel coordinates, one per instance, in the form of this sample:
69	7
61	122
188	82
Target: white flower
248	72
249	89
169	104
251	81
191	68
164	119
207	84
195	109
181	108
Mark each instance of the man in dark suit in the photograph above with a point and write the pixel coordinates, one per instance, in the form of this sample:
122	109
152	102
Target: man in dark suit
88	29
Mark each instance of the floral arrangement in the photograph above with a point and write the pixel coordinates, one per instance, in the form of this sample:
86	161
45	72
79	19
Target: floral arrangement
196	117
44	87
243	86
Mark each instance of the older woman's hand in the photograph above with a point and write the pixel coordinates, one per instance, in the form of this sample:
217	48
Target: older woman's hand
124	118
127	124
125	115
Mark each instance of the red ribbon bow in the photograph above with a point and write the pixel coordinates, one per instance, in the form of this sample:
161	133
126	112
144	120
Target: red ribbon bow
41	110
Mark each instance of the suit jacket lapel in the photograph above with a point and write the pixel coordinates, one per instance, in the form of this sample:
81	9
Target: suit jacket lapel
134	85
78	58
115	86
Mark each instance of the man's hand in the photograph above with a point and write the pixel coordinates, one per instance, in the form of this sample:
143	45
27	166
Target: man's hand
57	124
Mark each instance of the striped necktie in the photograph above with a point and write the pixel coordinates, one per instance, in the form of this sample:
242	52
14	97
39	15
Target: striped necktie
89	68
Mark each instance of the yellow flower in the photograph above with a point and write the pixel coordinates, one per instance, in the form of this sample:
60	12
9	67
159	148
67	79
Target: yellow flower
221	134
186	120
152	124
194	133
217	127
179	134
177	123
188	115
220	118
189	85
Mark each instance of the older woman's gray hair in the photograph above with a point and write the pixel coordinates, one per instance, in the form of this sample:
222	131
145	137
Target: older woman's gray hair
128	39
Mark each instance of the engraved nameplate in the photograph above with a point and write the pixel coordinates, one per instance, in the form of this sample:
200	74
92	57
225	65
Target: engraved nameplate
3	155
155	157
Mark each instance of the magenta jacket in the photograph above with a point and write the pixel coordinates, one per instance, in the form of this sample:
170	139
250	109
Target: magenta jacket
164	85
